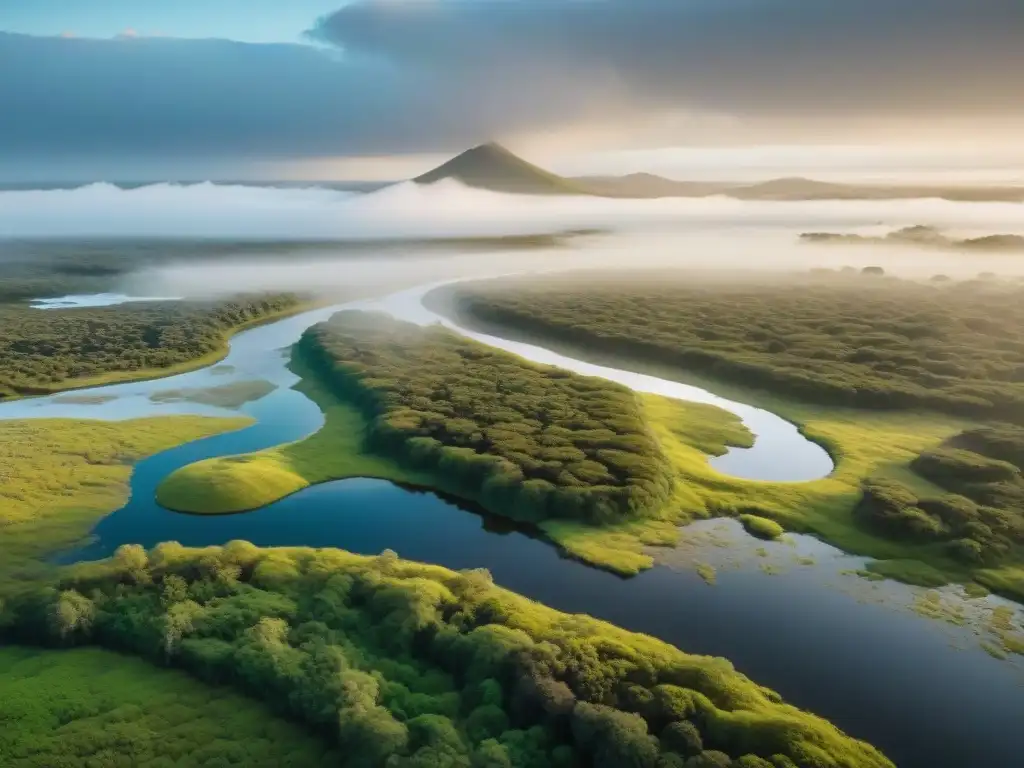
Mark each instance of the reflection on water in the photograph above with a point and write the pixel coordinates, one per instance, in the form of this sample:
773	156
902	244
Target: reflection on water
95	300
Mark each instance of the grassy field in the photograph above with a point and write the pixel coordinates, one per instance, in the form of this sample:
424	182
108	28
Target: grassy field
245	482
87	708
59	476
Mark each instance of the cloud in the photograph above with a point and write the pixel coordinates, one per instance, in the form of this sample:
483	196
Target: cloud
446	209
747	57
431	75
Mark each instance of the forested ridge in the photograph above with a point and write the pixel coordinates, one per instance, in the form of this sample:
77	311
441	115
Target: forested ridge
414	665
41	350
530	441
863	341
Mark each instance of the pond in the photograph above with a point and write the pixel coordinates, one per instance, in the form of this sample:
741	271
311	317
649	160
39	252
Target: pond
922	691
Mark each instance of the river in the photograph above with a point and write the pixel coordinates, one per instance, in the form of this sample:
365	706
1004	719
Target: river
922	691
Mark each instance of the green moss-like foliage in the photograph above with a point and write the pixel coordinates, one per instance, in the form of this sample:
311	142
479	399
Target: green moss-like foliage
761	527
530	441
880	343
90	707
981	519
412	665
45	351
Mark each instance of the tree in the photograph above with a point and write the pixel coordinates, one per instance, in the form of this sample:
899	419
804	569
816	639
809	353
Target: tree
178	622
683	737
491	754
711	759
133	562
71	613
175	590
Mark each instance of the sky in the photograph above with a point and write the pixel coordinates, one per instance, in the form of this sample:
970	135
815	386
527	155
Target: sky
191	89
252	21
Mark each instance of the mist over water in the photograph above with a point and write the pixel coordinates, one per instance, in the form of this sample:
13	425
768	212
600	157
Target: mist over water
713	232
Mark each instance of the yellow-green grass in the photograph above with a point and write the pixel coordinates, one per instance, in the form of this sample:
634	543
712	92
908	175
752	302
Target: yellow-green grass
761	527
89	707
148	374
245	482
59	476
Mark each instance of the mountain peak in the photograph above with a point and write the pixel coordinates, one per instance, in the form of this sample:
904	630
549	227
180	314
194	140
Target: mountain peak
492	166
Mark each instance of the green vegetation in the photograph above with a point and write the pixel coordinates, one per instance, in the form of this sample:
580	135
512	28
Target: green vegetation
881	343
980	520
233	395
48	351
530	442
761	527
413	665
91	708
58	477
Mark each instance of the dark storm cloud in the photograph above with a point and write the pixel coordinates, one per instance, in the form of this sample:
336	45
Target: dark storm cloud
419	75
737	56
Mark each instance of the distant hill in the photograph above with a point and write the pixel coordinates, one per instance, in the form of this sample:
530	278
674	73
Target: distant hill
491	166
647	185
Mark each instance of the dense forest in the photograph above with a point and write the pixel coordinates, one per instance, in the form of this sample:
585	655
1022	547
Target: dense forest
981	518
412	665
530	441
40	350
851	340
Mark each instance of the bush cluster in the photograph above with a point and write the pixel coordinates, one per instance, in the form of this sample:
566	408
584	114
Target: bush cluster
982	518
410	665
842	340
530	441
40	349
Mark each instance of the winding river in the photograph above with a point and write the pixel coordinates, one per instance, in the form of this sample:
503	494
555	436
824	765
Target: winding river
922	691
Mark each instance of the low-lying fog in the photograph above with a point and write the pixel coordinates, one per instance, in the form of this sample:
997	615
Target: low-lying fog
716	233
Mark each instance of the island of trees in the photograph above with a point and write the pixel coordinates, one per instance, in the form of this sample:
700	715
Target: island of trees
530	441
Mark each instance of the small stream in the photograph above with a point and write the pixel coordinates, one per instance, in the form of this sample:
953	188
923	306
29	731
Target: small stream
922	691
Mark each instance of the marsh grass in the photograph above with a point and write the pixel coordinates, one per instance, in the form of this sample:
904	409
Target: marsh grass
59	476
90	707
761	527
